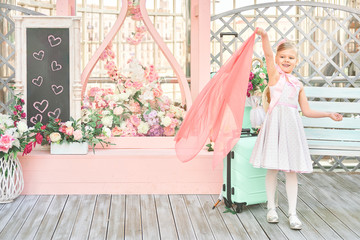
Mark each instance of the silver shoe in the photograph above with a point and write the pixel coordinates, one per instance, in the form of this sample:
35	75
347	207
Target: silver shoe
295	222
272	216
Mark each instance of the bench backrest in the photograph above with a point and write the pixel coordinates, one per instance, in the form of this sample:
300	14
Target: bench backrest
334	99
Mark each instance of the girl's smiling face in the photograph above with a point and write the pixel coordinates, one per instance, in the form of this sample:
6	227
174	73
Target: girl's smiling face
286	59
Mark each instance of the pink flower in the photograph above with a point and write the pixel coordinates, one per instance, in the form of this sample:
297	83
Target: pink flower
92	92
251	77
111	104
77	135
6	143
23	115
135	120
262	75
38	138
118	111
169	131
116	131
128	84
69	131
158	91
135	107
28	148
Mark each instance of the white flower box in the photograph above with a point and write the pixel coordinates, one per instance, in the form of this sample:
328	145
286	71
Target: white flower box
69	148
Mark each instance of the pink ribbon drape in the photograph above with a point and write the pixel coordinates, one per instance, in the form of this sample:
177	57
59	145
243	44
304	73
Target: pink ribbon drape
278	88
218	111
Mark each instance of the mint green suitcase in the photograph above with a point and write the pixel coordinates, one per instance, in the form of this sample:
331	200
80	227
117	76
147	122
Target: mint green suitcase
242	183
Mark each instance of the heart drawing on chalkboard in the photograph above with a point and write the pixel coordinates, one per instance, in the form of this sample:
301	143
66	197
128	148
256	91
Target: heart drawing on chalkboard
36	119
41	106
39	55
55	66
55	114
54	41
37	81
57	89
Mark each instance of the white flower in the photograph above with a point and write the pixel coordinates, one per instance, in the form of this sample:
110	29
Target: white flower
106	131
11	131
6	120
116	97
22	127
108	97
85	119
107	121
124	96
143	127
262	75
161	114
179	112
55	137
165	121
69	123
89	129
148	95
106	112
16	143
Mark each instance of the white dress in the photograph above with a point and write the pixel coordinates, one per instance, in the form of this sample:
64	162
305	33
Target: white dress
281	143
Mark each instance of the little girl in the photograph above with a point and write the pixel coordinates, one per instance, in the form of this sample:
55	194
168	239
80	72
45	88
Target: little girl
281	144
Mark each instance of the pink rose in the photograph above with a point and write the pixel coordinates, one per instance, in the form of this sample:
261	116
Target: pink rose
157	92
128	84
69	131
6	143
77	135
135	107
116	131
262	75
118	111
169	131
135	120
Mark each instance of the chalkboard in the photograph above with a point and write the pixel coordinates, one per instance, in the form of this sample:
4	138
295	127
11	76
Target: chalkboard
48	74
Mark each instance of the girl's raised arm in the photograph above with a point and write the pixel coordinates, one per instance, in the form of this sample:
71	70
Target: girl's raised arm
269	57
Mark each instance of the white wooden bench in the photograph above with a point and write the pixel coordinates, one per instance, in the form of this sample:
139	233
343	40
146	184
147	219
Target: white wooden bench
327	137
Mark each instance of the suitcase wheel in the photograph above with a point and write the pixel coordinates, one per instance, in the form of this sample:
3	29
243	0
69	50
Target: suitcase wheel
239	207
227	203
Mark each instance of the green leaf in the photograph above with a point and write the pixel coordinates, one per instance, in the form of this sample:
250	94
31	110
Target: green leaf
230	210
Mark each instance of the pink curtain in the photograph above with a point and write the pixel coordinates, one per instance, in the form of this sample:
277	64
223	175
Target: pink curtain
218	111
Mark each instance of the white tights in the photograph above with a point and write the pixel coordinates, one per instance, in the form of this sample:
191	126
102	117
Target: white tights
291	189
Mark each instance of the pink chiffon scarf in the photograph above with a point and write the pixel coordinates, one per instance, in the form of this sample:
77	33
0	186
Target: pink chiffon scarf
218	111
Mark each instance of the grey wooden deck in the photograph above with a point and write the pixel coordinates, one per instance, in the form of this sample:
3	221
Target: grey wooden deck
328	204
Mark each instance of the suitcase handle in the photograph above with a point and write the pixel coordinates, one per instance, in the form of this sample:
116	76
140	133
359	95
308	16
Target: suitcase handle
235	34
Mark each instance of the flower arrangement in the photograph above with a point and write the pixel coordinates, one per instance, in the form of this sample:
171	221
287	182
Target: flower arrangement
137	107
140	31
258	79
15	134
71	131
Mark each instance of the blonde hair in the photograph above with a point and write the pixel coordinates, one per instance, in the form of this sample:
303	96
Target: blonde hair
286	45
266	98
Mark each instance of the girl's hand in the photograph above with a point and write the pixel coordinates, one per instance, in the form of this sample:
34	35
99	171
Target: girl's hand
336	116
260	31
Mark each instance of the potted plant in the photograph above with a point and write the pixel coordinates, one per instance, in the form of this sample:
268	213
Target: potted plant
15	137
71	137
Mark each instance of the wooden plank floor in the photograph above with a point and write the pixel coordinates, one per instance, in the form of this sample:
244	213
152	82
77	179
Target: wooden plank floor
328	205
